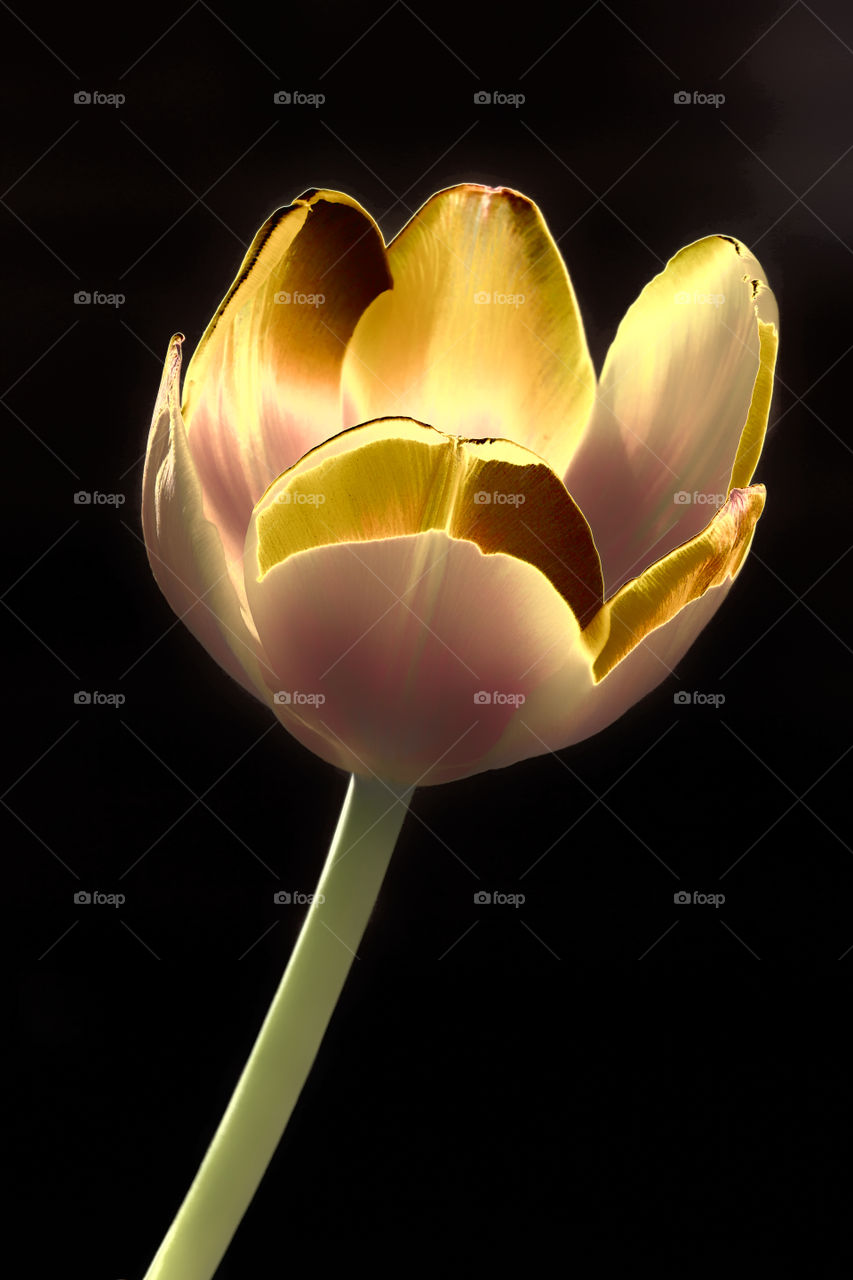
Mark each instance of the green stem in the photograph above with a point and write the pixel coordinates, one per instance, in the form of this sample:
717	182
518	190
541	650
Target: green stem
290	1037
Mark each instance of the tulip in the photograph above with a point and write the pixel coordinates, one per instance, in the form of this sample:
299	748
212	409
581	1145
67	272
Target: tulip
396	505
393	486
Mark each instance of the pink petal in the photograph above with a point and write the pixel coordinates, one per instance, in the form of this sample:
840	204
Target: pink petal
398	637
185	550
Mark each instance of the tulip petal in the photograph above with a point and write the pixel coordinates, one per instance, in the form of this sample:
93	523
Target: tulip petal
396	477
263	386
638	638
658	594
681	409
407	657
515	365
185	550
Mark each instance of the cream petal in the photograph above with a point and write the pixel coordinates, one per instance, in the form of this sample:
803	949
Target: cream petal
481	334
681	408
399	637
263	386
184	549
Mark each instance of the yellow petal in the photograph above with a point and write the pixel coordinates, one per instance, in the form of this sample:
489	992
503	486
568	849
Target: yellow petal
661	592
752	437
681	407
263	386
481	334
396	477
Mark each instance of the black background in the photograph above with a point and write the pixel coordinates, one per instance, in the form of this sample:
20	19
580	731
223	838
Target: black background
599	1069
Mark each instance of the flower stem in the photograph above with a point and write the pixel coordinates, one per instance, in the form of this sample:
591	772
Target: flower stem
291	1034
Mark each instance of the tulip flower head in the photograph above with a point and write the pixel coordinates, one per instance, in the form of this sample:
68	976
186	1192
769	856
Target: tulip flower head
395	503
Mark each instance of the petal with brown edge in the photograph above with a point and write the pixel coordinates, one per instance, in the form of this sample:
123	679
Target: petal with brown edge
263	386
396	477
639	636
658	594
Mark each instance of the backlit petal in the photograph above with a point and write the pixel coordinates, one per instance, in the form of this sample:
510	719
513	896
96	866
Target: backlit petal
398	638
658	594
681	408
184	549
481	334
396	477
638	638
263	386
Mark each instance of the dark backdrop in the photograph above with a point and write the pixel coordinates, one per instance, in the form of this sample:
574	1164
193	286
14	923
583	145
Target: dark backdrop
598	1068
